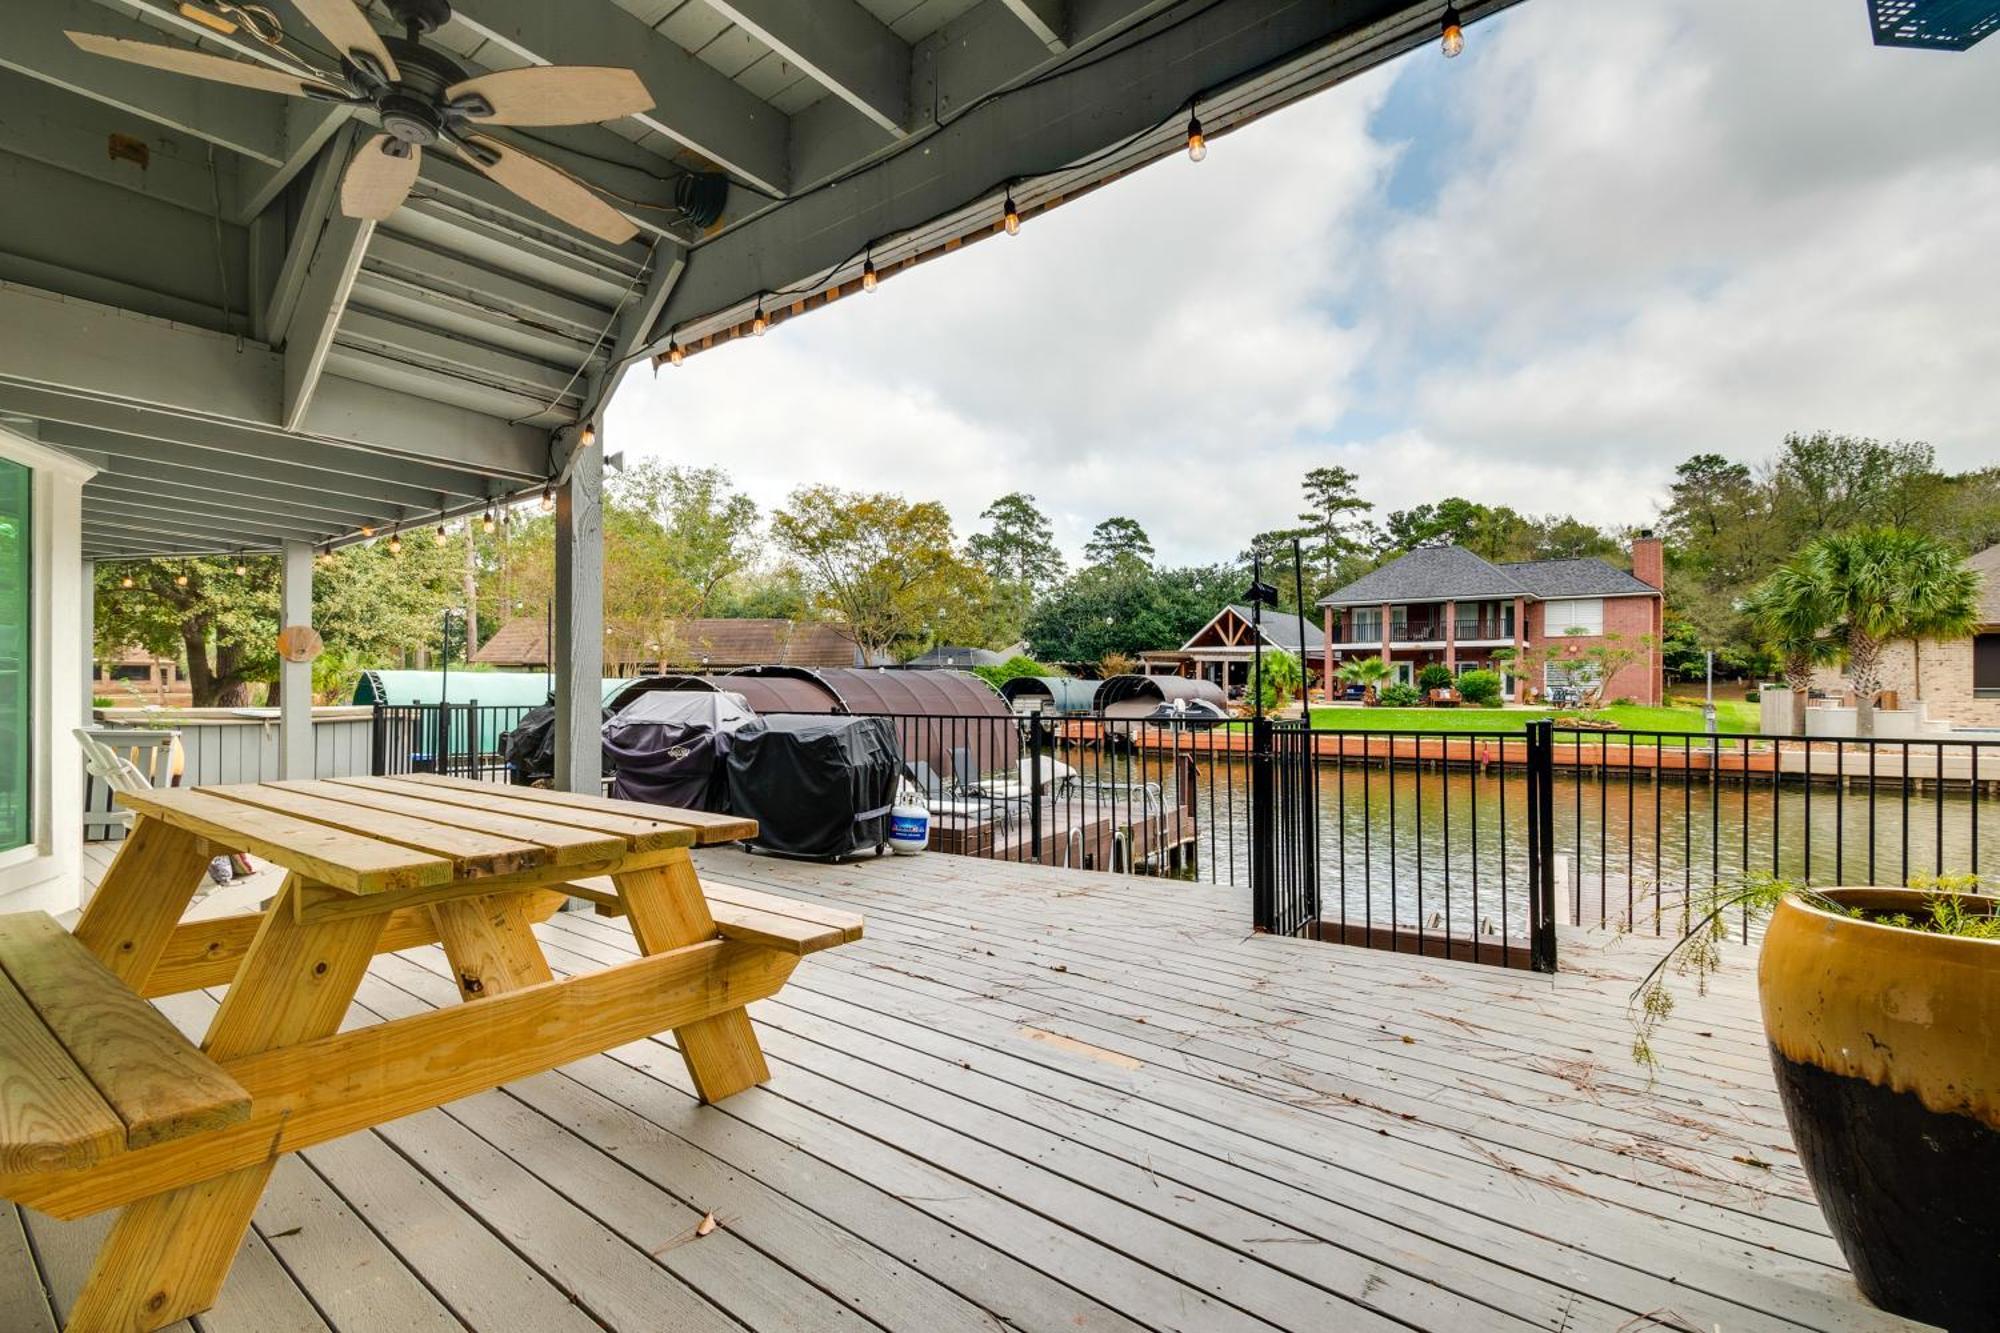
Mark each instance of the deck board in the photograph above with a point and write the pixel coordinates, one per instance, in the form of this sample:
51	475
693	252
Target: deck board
1044	1099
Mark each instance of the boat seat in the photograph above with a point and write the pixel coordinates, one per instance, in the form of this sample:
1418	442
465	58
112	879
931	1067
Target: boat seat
764	919
87	1068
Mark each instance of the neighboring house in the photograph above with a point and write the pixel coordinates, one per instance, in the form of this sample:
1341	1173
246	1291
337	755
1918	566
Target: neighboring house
1222	650
692	645
1958	681
1446	604
136	676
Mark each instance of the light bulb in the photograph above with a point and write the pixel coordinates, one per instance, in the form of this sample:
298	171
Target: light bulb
440	537
1013	216
758	323
674	354
868	275
241	569
125	582
587	437
488	523
326	556
1197	144
367	531
180	580
395	543
548	499
1454	32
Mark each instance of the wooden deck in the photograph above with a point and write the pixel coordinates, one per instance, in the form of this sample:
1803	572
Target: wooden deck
1044	1099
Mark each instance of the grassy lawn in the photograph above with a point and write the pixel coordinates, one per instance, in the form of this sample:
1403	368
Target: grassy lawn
1731	717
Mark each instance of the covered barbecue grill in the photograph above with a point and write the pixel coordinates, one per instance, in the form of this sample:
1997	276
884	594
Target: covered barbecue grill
817	785
670	747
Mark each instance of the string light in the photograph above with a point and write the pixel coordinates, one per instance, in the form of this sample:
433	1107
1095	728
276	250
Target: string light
1454	32
488	524
1013	216
869	279
549	499
241	569
125	582
395	543
675	355
758	323
180	580
326	556
587	436
367	531
440	537
1197	144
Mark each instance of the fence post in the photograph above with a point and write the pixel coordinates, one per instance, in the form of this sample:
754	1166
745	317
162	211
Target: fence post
378	741
1541	846
1035	786
1263	830
472	740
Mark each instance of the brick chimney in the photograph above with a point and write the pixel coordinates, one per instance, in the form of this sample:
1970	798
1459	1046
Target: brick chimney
1649	559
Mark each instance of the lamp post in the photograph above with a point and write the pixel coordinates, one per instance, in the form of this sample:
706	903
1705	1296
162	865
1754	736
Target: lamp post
1708	703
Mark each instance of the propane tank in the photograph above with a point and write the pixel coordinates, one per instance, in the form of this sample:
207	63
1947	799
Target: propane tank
909	823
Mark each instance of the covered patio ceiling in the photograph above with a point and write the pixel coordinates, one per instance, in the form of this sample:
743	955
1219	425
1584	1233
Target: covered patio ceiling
183	304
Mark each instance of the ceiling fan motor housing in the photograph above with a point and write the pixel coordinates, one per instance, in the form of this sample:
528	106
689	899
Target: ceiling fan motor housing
421	15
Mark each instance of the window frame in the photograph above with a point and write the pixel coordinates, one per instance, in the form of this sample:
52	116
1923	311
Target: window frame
1569	626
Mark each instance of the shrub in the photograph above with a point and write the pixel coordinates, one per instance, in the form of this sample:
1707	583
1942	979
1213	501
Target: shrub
1481	688
1011	669
1399	695
1434	676
1751	696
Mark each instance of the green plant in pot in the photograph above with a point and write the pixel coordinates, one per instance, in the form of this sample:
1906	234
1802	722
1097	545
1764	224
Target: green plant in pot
1882	1011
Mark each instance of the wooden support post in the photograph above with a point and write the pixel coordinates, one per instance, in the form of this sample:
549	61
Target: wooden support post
488	940
151	882
295	725
667	910
168	1255
577	655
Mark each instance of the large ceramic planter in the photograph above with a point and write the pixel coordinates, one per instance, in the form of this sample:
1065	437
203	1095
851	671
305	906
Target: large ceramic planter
1886	1044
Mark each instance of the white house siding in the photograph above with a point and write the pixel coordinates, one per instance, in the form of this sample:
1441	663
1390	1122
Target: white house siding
43	874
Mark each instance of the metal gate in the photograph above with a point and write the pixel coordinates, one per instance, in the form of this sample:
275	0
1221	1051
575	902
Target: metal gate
1437	842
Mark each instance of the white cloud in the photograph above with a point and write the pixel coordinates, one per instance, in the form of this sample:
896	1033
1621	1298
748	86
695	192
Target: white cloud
1663	228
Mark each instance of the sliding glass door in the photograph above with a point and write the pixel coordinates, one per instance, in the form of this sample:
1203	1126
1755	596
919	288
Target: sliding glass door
16	652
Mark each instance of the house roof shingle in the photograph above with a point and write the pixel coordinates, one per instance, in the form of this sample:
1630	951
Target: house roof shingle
1429	573
1438	573
523	641
1584	577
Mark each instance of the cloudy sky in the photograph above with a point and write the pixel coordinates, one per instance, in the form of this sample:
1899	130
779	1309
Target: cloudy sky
1608	236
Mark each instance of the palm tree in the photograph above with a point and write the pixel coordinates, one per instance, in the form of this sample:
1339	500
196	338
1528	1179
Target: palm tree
1368	673
1878	584
1791	613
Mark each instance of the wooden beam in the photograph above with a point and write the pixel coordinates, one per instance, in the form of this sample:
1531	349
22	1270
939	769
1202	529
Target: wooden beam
840	46
1045	19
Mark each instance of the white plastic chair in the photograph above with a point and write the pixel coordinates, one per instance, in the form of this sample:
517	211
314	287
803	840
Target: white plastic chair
120	774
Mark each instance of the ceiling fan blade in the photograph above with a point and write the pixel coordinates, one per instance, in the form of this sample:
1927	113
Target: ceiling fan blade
183	60
377	181
349	30
556	94
551	191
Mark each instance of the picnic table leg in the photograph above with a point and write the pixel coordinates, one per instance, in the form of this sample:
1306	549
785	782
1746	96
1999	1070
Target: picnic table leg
490	944
667	910
134	911
167	1256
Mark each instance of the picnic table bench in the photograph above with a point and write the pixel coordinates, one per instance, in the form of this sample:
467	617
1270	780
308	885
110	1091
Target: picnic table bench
105	1104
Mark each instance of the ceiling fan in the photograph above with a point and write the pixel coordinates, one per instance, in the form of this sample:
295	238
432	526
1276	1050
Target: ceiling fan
422	99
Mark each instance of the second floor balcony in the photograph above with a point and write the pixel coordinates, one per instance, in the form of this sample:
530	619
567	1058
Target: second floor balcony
1426	624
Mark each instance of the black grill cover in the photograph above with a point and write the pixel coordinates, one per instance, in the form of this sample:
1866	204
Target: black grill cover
530	747
817	785
668	747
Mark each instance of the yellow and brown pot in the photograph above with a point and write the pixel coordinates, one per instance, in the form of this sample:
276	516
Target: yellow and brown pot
1886	1043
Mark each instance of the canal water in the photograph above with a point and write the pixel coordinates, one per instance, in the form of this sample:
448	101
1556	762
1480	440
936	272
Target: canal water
1449	849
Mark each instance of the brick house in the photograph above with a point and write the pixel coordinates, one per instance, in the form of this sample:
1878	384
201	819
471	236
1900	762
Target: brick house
1445	604
1959	681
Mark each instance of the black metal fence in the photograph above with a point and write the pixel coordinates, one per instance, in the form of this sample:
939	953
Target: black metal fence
1650	820
465	740
1469	844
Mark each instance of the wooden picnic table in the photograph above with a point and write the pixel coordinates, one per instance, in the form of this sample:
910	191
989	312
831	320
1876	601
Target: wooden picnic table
103	1105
